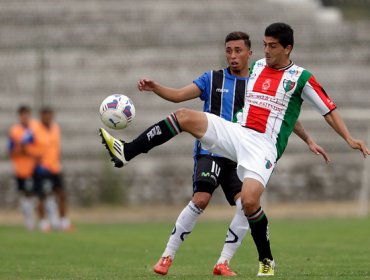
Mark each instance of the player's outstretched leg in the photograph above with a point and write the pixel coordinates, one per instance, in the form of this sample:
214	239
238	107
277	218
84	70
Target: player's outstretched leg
183	120
159	133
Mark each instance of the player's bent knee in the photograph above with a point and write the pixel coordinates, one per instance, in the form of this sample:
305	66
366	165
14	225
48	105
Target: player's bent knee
183	117
250	206
191	121
201	200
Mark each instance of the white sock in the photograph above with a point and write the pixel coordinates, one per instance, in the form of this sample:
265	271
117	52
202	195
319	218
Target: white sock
28	208
52	211
235	234
44	225
183	227
65	223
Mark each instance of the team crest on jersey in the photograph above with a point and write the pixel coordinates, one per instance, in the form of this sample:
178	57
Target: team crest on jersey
266	84
288	85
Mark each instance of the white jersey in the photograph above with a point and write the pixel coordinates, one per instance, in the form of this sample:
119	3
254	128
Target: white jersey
274	97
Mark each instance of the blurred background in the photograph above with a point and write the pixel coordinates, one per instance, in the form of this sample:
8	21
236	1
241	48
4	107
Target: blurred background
72	54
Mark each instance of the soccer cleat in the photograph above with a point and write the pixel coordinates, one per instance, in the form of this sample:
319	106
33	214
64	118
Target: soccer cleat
114	147
266	267
223	269
162	266
44	226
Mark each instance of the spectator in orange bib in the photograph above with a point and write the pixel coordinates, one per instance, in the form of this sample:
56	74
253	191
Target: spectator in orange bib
20	138
48	172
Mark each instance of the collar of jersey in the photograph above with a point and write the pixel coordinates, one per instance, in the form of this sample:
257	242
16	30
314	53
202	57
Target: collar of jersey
228	74
283	68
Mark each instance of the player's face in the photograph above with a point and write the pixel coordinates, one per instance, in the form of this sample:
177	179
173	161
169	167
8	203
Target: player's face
47	118
24	117
276	55
237	55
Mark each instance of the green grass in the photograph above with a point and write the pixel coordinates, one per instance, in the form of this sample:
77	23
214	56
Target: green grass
308	249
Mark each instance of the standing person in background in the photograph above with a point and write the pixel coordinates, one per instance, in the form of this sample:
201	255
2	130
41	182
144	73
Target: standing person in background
48	172
20	137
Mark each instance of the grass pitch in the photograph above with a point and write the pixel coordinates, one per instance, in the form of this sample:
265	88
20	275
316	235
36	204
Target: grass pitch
308	249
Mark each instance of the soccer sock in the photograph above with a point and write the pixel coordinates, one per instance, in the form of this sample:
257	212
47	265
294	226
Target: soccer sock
44	225
65	223
183	227
235	234
260	232
154	136
28	208
52	211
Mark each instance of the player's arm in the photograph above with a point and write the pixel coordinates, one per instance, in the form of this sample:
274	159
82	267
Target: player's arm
14	148
176	95
315	148
337	123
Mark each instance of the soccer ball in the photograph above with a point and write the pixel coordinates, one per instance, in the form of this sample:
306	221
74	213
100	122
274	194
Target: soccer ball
117	111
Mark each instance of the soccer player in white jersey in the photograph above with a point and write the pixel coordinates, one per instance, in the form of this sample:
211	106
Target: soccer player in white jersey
223	94
275	92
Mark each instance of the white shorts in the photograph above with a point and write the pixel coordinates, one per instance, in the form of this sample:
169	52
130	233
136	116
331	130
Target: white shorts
254	154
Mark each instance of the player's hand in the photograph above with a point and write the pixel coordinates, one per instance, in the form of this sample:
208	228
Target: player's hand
359	145
145	85
318	150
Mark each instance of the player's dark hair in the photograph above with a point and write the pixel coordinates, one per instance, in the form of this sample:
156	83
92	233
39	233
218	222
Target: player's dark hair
239	35
46	109
281	31
23	109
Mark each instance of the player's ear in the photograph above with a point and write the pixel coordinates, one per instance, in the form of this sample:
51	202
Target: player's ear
288	49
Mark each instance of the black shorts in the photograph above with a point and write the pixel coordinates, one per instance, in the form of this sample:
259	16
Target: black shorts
47	183
211	171
25	184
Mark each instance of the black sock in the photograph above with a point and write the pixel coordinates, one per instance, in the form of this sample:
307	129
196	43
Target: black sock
260	233
154	136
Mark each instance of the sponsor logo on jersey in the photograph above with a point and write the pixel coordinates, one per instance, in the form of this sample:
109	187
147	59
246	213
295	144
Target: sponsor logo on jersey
288	85
293	72
222	90
266	84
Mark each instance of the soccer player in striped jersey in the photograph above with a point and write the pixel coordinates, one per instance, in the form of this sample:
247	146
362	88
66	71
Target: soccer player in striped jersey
223	95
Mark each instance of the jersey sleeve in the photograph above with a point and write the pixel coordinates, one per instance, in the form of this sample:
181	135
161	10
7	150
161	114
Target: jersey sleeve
251	68
316	95
203	83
